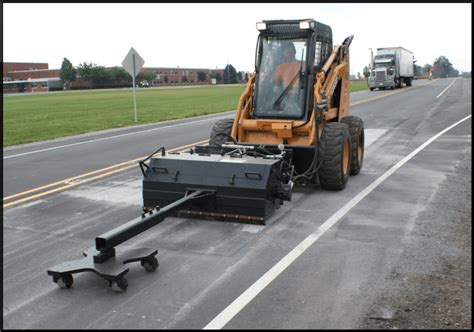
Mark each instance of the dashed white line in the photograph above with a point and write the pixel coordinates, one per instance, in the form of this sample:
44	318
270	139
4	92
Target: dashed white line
238	304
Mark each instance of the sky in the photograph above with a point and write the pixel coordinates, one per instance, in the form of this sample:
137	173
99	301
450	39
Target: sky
210	35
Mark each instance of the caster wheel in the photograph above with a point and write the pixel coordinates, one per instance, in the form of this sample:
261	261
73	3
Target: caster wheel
150	264
64	281
119	285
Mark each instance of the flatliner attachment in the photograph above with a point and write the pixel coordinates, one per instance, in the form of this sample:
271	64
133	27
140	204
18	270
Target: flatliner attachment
102	259
246	188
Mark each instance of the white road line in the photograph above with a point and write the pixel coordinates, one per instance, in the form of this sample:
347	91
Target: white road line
238	304
446	88
110	137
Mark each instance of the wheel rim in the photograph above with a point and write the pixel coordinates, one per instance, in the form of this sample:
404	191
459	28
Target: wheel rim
359	149
345	156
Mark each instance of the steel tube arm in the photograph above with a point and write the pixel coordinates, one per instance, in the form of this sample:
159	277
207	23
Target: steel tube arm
136	226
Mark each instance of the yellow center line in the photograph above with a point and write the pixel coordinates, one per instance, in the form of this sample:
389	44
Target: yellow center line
70	185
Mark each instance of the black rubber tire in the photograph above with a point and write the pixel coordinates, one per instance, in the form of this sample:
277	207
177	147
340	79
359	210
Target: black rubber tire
150	264
119	285
356	129
408	81
64	281
372	89
332	174
223	126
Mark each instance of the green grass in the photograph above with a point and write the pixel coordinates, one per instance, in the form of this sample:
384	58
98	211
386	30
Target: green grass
358	86
32	118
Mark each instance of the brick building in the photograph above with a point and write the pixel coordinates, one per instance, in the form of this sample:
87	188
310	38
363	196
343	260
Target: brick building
31	77
182	76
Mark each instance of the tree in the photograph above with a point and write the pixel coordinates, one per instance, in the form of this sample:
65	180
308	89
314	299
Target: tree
426	68
146	75
119	75
366	72
67	73
201	76
416	70
230	75
217	76
96	75
443	68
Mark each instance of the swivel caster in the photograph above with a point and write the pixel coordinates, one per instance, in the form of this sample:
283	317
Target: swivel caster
119	285
64	281
150	264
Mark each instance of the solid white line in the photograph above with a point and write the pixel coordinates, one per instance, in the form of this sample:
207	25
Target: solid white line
110	137
238	304
446	88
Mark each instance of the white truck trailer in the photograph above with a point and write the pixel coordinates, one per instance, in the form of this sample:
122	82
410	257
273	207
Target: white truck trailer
391	67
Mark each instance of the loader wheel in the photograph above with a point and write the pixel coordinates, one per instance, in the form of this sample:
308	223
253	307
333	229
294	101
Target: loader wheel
336	148
356	129
223	126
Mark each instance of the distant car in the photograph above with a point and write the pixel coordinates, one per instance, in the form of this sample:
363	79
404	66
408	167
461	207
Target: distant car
144	84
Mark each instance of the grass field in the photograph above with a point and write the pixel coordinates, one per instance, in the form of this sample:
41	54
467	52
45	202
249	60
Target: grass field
36	117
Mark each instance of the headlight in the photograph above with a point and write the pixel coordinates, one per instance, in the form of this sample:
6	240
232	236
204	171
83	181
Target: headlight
261	26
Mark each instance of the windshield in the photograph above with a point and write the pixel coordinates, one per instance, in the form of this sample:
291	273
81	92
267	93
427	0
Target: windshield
386	60
382	64
280	92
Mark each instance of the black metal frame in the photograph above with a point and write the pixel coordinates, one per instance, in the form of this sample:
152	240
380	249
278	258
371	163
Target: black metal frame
102	258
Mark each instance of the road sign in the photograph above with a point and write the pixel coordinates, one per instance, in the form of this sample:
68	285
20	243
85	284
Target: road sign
132	63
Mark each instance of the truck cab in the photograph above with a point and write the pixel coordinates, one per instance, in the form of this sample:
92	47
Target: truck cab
391	67
383	72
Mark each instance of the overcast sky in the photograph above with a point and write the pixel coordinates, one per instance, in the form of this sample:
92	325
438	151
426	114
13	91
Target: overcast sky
211	35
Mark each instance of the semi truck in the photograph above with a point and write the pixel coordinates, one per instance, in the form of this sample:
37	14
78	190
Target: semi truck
390	68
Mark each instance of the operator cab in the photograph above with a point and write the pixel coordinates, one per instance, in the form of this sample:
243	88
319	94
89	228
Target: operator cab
289	54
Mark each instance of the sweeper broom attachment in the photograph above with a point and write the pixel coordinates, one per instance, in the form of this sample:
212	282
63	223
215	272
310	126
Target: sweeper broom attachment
243	183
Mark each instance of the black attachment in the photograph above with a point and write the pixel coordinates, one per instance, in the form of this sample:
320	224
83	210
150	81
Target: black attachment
102	259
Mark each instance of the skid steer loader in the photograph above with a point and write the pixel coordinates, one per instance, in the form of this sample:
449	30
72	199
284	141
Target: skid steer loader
297	125
292	127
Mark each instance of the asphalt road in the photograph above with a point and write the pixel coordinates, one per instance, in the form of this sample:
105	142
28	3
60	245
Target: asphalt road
206	265
33	165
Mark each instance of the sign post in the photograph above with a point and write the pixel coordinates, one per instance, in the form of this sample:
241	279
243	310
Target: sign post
132	63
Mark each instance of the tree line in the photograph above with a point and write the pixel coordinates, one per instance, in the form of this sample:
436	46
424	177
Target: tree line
101	77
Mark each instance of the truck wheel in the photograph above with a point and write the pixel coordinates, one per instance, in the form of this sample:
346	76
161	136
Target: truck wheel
356	129
371	89
336	149
408	81
221	127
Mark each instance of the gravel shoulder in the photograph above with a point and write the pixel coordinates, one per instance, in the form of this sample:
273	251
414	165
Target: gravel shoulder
431	285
